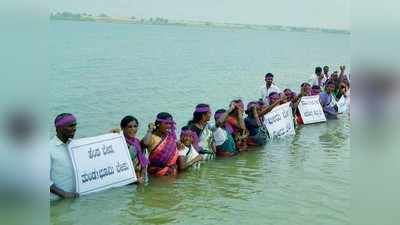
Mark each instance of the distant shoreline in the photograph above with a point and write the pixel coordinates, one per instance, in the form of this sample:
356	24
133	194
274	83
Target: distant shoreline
103	18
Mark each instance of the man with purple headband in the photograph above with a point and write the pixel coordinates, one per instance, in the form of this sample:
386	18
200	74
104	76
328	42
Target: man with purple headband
62	177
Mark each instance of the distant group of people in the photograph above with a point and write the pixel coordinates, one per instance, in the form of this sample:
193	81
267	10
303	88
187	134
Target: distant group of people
235	129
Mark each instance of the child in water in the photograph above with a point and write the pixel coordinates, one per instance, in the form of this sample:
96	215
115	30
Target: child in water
188	156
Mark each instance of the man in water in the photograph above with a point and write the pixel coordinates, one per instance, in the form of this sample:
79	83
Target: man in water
62	178
319	77
269	87
326	72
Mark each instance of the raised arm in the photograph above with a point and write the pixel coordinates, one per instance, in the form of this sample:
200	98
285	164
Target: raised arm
147	138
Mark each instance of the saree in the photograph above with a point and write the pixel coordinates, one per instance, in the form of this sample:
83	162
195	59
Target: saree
163	158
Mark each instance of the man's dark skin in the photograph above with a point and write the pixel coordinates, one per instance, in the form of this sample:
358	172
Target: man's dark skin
64	134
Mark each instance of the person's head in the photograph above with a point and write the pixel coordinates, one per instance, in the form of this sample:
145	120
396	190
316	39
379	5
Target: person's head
326	69
269	78
334	76
201	114
65	124
329	87
238	103
186	136
250	107
129	126
289	94
218	114
315	90
318	71
343	87
164	122
305	88
273	97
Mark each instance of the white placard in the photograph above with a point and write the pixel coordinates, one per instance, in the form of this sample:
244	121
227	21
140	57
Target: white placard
279	121
101	162
342	105
311	110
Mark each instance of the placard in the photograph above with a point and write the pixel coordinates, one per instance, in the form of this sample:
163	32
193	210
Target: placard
279	121
311	110
101	162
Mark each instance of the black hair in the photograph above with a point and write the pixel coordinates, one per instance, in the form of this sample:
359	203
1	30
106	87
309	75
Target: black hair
269	75
126	120
163	116
316	87
272	93
185	128
318	69
198	115
60	116
304	84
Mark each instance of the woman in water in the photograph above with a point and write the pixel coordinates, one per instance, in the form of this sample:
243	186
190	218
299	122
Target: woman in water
160	140
236	126
225	144
129	126
203	141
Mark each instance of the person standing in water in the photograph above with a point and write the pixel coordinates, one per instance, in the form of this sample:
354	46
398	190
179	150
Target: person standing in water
160	140
129	126
188	156
203	141
328	101
269	87
62	175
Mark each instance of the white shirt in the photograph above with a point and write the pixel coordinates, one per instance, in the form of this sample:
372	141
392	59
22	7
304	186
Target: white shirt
266	91
316	81
190	153
220	136
61	169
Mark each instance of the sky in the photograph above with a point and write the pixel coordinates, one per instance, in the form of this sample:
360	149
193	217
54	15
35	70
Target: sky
303	13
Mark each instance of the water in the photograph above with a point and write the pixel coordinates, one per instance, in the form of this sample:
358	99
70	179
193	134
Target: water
102	72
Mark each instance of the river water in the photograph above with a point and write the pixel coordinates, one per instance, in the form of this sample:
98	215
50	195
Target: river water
102	72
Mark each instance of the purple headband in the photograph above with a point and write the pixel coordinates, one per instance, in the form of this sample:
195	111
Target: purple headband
273	95
65	121
218	115
166	121
251	104
186	133
202	109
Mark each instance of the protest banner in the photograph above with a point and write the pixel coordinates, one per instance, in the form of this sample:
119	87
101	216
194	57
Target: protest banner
101	162
279	121
311	110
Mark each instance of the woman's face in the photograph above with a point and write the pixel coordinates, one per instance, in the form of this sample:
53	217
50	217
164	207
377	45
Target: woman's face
164	127
274	98
207	116
131	129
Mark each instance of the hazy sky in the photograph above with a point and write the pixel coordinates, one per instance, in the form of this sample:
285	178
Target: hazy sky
309	13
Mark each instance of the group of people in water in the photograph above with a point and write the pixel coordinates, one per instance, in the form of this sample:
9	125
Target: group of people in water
236	129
